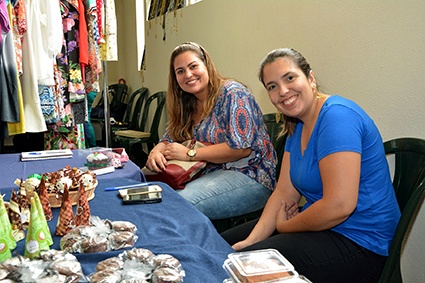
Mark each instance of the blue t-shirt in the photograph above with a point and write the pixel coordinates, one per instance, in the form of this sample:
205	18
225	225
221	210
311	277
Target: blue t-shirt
237	120
343	126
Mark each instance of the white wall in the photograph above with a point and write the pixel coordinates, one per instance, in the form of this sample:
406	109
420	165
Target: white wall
369	51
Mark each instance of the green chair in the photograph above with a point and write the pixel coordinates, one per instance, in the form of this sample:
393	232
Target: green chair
274	124
119	100
132	112
138	135
409	185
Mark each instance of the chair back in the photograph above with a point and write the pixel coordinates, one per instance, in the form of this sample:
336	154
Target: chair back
274	125
409	170
134	107
409	185
119	100
159	97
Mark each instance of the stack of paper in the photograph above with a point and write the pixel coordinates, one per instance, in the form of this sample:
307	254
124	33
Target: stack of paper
46	154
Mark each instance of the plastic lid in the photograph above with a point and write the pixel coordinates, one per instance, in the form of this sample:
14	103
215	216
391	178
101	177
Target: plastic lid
254	265
260	262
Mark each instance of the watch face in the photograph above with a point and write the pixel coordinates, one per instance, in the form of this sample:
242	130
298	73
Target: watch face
191	152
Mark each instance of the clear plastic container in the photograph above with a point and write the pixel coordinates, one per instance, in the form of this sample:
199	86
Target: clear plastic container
265	266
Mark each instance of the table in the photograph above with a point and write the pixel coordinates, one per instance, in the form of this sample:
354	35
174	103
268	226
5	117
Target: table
11	168
173	227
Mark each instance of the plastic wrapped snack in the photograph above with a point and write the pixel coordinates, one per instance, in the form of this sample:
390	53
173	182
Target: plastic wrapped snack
49	266
166	275
140	265
139	254
106	276
112	263
166	260
100	236
94	244
120	226
121	240
259	266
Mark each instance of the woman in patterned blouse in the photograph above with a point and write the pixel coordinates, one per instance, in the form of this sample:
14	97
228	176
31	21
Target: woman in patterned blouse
204	106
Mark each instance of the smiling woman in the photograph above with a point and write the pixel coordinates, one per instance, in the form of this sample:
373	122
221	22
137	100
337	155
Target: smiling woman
203	105
334	157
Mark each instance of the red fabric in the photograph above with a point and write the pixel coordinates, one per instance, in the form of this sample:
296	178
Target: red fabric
99	7
83	39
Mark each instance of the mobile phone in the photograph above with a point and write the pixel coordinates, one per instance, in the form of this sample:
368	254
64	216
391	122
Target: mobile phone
150	197
140	190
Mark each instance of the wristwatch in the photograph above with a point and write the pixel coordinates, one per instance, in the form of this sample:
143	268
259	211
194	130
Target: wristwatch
191	153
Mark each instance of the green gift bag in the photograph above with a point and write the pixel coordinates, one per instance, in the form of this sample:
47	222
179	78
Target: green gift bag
36	237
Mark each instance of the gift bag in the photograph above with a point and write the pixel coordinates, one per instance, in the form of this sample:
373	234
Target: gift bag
178	172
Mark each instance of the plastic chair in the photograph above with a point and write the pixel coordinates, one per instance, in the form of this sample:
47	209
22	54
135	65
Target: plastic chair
119	100
409	185
273	123
138	135
134	107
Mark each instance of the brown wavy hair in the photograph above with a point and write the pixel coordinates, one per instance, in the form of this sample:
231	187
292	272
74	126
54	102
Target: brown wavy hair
180	104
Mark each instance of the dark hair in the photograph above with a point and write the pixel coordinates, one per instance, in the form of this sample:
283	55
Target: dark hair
180	104
301	62
290	53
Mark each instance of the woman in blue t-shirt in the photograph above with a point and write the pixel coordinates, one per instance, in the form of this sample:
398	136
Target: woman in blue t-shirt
204	106
334	157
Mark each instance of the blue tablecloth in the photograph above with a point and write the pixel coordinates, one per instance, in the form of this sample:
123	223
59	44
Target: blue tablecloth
11	168
173	227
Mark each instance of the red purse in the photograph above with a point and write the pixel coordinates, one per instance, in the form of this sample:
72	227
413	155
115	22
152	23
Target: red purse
178	173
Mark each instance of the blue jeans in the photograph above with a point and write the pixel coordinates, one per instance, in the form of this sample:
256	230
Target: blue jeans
225	193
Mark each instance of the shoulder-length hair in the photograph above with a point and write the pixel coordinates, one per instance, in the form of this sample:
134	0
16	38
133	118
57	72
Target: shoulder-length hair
182	105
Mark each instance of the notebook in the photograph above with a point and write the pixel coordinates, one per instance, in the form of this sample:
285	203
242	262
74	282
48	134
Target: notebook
46	154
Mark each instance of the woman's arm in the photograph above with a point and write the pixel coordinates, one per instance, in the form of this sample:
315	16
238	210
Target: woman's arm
285	192
156	159
217	153
340	173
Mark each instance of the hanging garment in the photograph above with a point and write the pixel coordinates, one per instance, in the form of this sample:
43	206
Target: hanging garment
110	47
18	23
9	110
68	62
94	67
19	27
34	120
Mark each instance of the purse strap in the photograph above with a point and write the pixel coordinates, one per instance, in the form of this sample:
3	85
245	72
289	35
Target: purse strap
192	143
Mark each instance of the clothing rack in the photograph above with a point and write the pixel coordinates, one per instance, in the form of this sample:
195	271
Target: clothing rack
106	105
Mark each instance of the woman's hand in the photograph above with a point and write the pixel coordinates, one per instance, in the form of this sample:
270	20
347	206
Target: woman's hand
176	151
242	244
292	209
156	159
286	212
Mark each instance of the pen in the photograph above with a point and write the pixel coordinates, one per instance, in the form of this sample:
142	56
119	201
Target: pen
128	186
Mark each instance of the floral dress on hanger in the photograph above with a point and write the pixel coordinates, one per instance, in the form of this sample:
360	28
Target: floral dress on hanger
69	131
